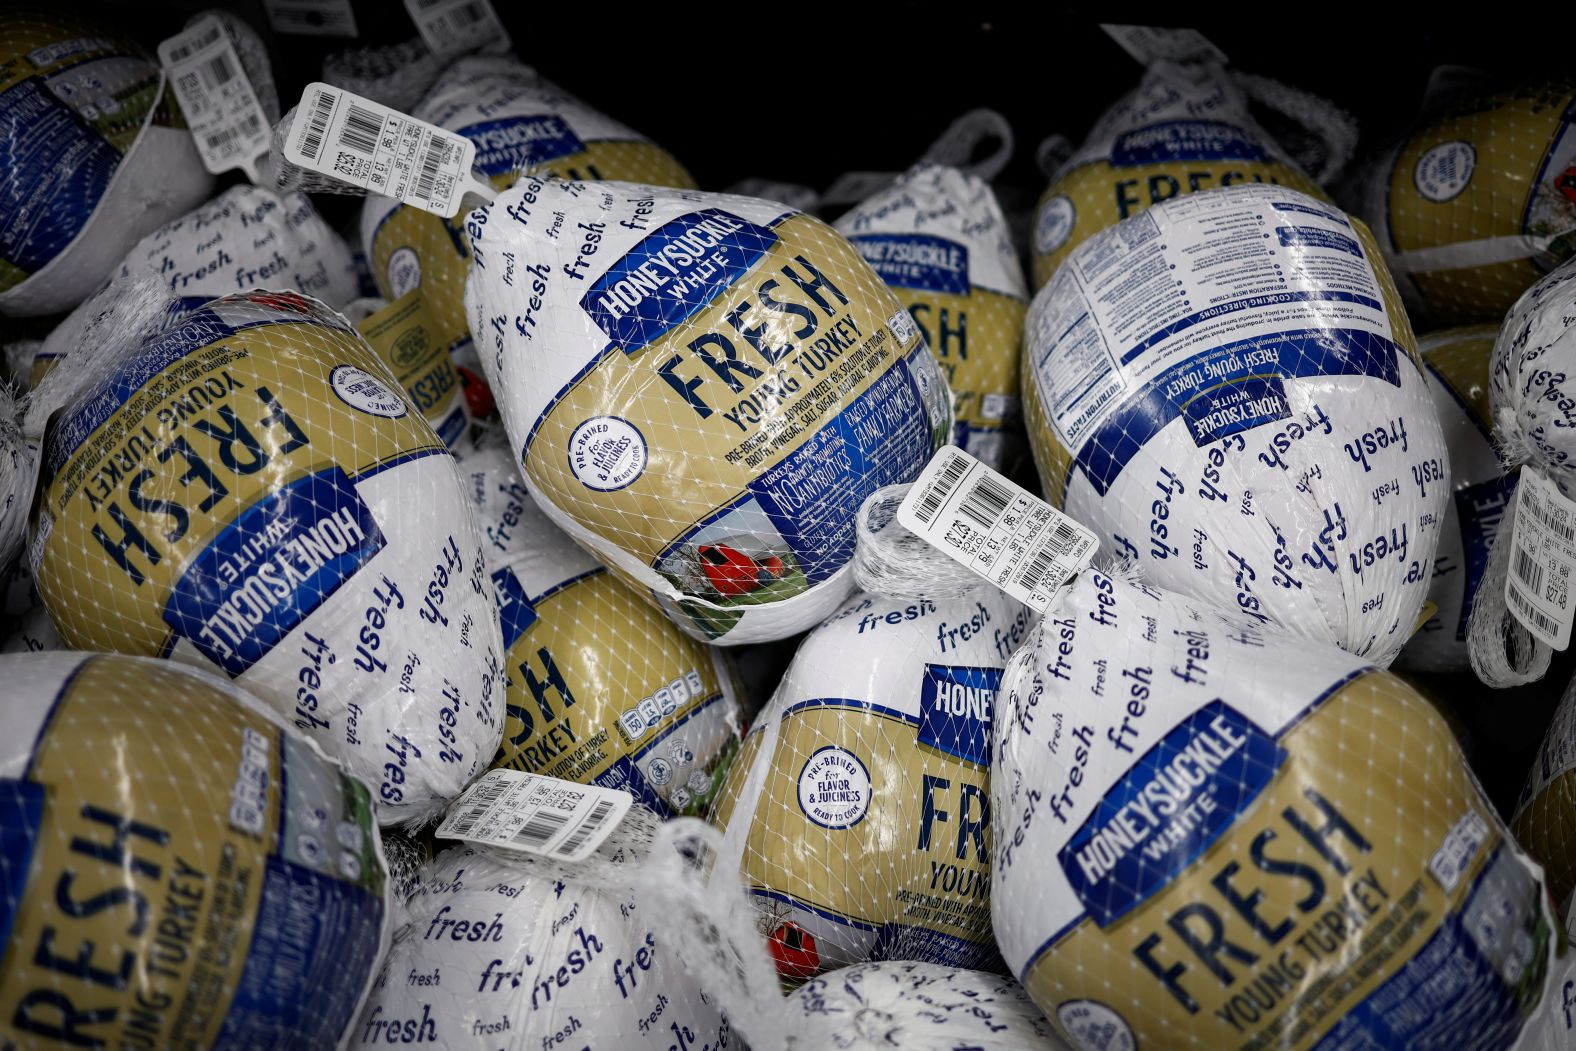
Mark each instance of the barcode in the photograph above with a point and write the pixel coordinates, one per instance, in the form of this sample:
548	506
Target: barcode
430	161
317	126
1035	571
986	502
1528	570
1064	537
185	51
468	15
941	488
218	71
221	139
478	805
1560	525
361	129
543	826
426	4
1526	609
595	820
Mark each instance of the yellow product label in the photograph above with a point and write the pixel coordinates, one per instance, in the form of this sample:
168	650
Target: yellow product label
1494	167
1094	196
1461	358
976	339
603	689
191	876
891	837
246	406
420	361
1362	875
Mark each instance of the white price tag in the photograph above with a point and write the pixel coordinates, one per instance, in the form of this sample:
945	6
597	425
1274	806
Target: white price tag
451	28
221	108
536	814
361	142
1149	44
1542	558
995	528
311	17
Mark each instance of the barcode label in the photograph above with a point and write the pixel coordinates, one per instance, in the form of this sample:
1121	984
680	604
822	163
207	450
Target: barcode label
451	28
311	17
365	144
997	529
1542	559
536	814
226	120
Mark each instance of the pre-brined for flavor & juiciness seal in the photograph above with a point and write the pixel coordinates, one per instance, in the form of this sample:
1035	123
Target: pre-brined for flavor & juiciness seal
857	811
95	155
178	868
1227	390
602	688
248	490
702	390
1210	832
939	240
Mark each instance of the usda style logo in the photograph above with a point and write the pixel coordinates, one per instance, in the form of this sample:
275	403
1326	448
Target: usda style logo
1095	1027
363	391
1054	224
834	788
607	453
1444	170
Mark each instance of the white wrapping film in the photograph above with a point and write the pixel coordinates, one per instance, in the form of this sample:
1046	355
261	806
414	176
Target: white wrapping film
18	466
94	157
856	812
1211	833
1456	364
1225	388
247	490
498	959
702	389
239	869
602	688
938	238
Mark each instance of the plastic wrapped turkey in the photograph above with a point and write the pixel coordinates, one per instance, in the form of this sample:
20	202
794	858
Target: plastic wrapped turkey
939	240
248	491
1456	363
1185	128
1226	389
857	811
1212	833
1478	201
702	390
602	688
181	868
95	155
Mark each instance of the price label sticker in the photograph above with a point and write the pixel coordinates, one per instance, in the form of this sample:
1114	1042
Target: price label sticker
1542	558
996	528
221	107
360	142
451	28
536	814
311	17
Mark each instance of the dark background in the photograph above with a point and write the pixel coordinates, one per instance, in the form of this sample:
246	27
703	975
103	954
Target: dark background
804	94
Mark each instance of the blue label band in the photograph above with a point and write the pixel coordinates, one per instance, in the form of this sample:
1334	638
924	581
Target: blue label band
516	143
931	264
955	710
1317	237
268	570
1224	411
1479	509
1169	807
668	277
1185	140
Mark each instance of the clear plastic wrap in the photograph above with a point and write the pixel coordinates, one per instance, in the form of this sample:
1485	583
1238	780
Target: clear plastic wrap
1213	833
94	155
497	957
1226	389
177	867
602	688
247	490
1476	203
938	238
1456	363
857	811
1185	128
727	380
